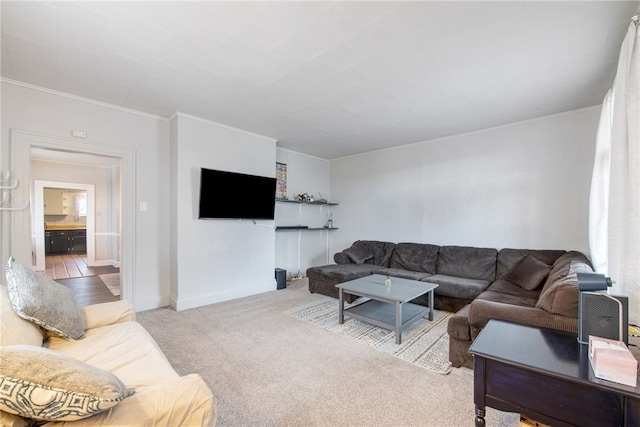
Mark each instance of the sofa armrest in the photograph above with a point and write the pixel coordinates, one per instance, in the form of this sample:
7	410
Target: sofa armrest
185	401
341	258
11	420
480	311
108	313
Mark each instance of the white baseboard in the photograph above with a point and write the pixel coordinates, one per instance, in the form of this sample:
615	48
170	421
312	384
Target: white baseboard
180	304
150	304
105	263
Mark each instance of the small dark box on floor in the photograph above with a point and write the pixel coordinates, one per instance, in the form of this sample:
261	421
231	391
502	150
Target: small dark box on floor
281	278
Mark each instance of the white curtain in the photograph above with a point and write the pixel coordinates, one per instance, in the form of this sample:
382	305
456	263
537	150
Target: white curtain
614	212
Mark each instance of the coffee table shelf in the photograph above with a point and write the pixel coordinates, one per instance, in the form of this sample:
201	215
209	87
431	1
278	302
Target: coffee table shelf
383	314
386	306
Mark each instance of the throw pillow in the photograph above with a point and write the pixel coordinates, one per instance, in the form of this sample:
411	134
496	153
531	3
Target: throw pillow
42	384
359	253
528	273
39	299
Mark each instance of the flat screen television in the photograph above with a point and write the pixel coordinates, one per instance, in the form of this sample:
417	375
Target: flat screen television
231	195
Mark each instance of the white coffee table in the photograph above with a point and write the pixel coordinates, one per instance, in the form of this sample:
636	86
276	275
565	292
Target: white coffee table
387	307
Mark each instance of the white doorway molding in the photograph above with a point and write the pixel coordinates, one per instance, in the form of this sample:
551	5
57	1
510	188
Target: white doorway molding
38	213
22	142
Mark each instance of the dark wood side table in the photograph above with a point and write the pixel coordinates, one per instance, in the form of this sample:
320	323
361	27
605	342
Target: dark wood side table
545	375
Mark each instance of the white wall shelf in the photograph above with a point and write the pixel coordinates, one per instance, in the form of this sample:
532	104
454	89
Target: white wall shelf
303	228
306	203
308	221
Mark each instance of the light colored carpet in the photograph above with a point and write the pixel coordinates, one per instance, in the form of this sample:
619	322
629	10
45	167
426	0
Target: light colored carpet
112	281
424	342
267	368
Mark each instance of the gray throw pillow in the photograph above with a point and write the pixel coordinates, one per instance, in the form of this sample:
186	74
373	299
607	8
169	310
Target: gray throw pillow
42	384
359	253
528	273
39	299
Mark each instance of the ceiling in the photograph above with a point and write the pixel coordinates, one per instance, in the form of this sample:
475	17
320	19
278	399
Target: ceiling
329	78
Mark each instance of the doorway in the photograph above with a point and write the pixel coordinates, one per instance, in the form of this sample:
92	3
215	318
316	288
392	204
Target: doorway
45	219
21	244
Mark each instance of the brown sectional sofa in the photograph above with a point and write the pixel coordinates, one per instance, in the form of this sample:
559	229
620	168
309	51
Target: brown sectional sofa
537	287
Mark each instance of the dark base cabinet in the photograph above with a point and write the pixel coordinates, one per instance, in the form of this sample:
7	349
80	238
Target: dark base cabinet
79	242
65	242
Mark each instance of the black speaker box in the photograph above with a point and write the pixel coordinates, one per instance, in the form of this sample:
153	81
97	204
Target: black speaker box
281	278
605	316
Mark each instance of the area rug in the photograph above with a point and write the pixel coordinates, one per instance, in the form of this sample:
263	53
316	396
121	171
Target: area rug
112	281
424	343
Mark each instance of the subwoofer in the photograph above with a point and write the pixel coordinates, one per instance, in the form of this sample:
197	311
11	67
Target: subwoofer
603	315
281	278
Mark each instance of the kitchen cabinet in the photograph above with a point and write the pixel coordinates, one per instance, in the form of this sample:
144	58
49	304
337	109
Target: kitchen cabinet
60	242
79	241
54	202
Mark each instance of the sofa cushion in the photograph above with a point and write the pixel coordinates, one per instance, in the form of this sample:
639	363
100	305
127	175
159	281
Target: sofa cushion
561	298
39	299
381	251
44	385
507	258
504	287
569	263
340	272
457	287
529	273
518	300
405	274
467	262
359	253
559	294
15	330
415	257
125	349
184	401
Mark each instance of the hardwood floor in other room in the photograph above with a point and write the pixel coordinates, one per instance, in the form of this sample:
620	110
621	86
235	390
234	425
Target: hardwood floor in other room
89	290
67	266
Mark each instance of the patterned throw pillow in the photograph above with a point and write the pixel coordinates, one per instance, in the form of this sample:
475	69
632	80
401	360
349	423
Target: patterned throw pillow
41	384
39	299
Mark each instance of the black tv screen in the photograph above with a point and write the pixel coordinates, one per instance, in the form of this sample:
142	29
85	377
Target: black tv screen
231	195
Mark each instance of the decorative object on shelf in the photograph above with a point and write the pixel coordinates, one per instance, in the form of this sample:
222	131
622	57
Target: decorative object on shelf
281	180
329	223
315	202
387	282
304	197
321	199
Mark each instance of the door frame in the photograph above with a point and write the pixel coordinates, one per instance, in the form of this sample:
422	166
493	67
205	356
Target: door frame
22	142
38	214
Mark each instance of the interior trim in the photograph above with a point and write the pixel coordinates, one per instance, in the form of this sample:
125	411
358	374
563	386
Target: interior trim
20	245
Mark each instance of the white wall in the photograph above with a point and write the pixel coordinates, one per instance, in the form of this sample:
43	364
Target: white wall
298	250
524	185
34	110
217	260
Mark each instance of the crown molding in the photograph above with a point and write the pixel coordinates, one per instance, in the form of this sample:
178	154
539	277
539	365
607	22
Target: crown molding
81	98
222	125
301	154
477	132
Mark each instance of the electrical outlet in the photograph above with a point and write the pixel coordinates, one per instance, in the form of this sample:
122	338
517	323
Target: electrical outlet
79	133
